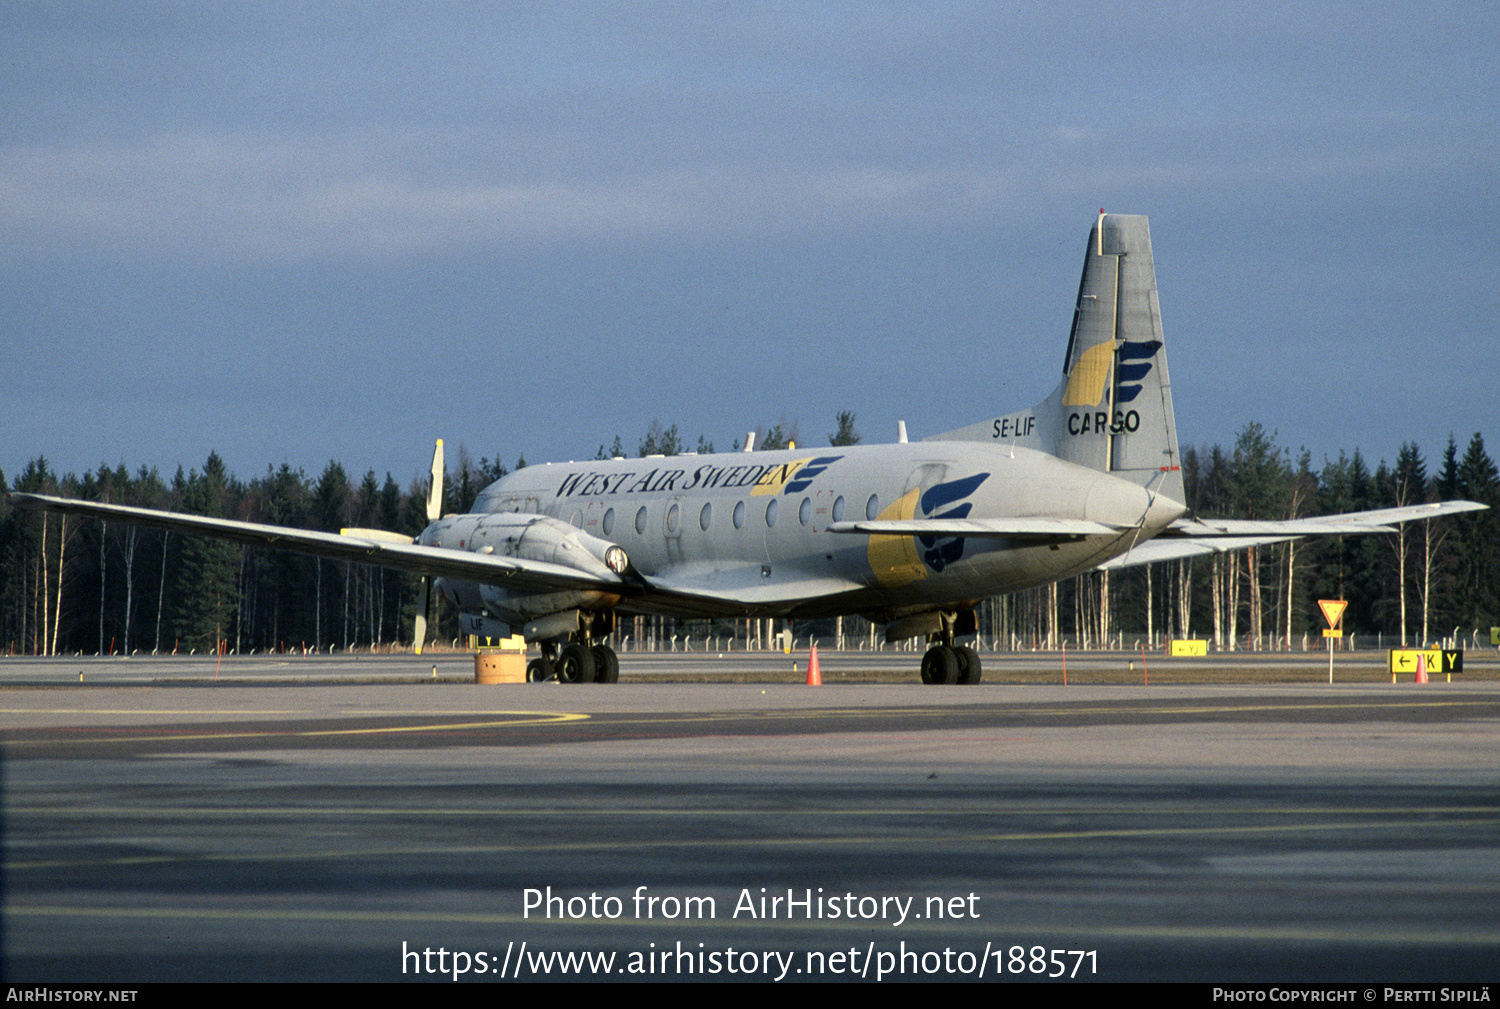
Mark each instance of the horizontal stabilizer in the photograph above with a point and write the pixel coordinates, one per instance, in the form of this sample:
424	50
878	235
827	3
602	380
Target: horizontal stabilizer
1381	520
1196	537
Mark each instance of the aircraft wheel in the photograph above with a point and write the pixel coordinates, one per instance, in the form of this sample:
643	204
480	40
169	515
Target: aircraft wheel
940	665
968	664
606	665
538	670
575	665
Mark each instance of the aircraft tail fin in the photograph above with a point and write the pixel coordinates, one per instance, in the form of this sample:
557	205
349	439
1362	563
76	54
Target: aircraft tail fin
1113	408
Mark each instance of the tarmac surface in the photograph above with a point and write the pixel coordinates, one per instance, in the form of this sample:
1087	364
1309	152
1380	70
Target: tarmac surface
362	819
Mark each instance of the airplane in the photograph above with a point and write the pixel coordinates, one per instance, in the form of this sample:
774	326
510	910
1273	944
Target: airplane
911	535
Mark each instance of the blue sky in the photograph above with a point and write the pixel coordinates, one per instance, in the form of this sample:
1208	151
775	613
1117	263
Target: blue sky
291	233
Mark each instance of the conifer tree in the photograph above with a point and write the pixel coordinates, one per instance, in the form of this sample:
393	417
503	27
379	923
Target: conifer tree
206	592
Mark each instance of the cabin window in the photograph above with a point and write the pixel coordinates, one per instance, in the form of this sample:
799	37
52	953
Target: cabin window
804	513
640	521
771	514
673	514
838	508
872	507
705	516
608	525
739	514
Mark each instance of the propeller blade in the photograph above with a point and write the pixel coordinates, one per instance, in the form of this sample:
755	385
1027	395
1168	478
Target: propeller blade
419	626
434	512
435	492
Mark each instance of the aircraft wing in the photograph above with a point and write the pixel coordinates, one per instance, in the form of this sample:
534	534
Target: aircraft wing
749	585
1007	528
367	547
1195	537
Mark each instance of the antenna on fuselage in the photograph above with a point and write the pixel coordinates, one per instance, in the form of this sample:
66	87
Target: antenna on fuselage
749	442
434	512
900	432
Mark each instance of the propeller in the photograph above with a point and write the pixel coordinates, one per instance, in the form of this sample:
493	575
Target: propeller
434	512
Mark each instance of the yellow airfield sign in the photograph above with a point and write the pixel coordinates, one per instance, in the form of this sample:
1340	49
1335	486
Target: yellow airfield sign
1333	611
1439	660
1188	648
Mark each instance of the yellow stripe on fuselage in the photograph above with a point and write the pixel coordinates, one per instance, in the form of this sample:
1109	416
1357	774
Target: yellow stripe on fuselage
894	559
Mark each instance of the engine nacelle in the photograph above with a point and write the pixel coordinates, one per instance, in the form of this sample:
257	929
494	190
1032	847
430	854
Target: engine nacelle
497	612
528	537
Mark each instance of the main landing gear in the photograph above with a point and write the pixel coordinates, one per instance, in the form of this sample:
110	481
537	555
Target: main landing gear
578	656
946	662
951	664
575	662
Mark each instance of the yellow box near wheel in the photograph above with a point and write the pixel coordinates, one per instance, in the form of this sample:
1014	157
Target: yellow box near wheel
502	663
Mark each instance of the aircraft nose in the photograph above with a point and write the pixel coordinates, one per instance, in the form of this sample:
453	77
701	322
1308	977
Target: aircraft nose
1116	502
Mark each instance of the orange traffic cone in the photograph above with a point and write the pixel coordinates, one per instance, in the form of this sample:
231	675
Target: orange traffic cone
1421	669
814	675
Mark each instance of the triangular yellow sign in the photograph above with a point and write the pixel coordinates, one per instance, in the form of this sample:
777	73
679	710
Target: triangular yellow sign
1333	610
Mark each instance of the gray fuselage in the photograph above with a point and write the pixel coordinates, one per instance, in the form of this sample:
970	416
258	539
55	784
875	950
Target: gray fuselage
748	533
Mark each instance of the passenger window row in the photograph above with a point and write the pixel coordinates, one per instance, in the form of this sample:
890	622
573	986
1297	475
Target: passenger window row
673	520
